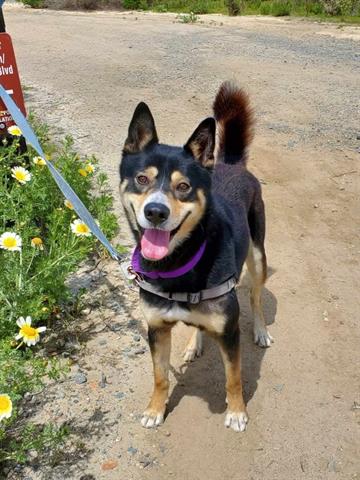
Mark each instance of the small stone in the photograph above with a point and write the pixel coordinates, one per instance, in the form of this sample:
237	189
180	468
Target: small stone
279	388
109	465
102	382
115	327
333	465
136	338
102	342
316	205
132	450
86	311
140	351
80	378
145	461
33	454
119	395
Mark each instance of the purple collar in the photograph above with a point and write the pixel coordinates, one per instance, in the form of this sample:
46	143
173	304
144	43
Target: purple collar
135	263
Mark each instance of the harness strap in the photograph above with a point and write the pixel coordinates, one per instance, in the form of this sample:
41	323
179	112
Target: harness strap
189	297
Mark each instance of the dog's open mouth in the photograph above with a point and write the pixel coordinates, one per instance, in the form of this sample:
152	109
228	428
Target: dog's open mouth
155	243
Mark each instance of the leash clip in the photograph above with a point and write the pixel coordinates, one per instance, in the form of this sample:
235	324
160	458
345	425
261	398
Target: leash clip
132	275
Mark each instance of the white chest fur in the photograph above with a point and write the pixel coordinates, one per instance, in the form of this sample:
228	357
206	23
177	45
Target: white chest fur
212	321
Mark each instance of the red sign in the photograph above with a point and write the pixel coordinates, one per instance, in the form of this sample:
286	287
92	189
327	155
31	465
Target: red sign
9	79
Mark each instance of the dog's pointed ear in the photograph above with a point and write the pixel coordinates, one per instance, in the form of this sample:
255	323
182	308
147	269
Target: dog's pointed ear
201	144
142	131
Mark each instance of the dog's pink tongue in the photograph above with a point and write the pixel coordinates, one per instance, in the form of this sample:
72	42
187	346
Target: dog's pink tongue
155	244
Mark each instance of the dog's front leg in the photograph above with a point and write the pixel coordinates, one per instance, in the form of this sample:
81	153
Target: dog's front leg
160	346
236	416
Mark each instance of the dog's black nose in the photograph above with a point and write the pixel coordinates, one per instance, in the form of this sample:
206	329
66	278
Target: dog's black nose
156	213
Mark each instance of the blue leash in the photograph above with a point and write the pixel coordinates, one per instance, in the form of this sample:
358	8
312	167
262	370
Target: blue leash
68	192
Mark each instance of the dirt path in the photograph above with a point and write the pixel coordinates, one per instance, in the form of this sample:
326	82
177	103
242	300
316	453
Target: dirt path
85	73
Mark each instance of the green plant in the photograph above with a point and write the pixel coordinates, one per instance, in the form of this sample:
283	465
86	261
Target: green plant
23	372
41	243
265	8
131	4
280	8
233	6
187	18
33	3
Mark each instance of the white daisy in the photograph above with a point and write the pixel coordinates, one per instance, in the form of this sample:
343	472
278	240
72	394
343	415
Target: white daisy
28	334
10	241
5	406
80	228
39	161
15	131
21	174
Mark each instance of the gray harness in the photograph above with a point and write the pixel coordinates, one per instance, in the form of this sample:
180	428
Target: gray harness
187	297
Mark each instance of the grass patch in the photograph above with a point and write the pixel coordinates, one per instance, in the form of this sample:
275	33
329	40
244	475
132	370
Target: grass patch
347	11
41	242
187	17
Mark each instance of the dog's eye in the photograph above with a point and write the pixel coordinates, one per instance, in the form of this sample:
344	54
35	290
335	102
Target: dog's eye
183	187
142	180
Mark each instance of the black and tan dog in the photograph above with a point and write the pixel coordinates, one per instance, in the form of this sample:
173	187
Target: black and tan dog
197	217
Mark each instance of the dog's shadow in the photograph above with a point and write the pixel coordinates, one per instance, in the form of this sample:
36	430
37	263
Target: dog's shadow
205	378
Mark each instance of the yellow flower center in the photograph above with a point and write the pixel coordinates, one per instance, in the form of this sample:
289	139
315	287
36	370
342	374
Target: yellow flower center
36	241
28	331
82	228
20	175
9	242
4	403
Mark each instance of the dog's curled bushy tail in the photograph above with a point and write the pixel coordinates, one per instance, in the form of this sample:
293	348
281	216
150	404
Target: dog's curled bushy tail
234	118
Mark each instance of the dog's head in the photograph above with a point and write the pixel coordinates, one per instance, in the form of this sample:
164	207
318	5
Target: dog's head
165	190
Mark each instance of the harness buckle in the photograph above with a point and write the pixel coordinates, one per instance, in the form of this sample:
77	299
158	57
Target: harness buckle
194	297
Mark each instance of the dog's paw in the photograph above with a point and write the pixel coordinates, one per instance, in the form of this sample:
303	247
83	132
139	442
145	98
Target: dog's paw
262	337
152	419
191	353
194	347
237	421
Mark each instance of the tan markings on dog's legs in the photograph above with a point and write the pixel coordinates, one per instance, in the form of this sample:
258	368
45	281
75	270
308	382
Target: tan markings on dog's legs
160	345
194	347
256	264
236	416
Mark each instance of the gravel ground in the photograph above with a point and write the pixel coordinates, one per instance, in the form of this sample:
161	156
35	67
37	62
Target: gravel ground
84	74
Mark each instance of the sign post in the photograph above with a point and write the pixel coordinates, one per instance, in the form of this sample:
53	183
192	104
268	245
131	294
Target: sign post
9	79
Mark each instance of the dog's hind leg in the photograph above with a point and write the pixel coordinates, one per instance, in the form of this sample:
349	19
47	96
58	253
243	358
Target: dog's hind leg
256	264
160	346
194	347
